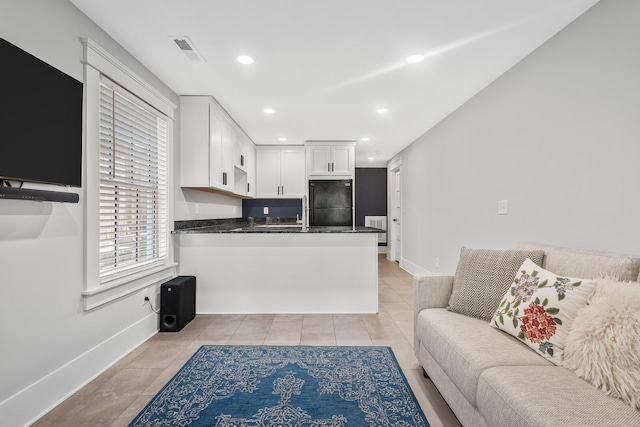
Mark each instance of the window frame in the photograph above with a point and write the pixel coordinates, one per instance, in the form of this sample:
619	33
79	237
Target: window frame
103	289
127	108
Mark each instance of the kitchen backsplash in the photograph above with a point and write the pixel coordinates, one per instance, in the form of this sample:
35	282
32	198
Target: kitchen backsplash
277	207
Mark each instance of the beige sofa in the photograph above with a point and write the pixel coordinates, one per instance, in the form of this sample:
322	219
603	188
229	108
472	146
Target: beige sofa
479	370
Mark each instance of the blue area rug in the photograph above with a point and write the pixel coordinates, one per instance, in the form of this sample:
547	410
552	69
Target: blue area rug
301	386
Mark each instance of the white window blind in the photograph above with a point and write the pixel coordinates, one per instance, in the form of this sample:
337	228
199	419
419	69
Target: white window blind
133	182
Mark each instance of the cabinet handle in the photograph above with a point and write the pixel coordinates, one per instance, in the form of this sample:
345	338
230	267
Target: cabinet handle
241	160
248	191
328	167
278	190
224	178
283	190
333	167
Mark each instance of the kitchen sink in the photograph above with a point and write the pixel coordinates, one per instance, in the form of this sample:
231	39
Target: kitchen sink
279	226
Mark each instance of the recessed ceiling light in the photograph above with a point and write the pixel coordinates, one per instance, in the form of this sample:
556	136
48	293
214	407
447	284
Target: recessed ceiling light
244	59
364	139
282	139
382	110
370	158
269	110
415	58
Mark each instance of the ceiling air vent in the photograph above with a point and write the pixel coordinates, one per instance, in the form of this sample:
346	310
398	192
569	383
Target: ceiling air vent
186	46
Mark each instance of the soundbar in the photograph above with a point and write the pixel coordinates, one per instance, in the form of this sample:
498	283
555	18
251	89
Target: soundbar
38	195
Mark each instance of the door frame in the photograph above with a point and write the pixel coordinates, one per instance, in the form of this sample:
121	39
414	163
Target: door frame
395	165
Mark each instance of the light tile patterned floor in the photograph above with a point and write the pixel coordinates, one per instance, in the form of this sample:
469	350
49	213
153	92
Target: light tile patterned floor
116	396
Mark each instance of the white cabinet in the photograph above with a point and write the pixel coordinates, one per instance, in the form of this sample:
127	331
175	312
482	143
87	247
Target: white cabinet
280	172
268	173
320	160
245	167
201	146
331	160
210	145
293	175
229	141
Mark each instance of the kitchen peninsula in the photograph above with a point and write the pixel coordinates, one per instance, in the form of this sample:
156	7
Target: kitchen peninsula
275	266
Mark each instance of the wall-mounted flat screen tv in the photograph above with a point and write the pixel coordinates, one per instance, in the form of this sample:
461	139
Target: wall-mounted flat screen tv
40	120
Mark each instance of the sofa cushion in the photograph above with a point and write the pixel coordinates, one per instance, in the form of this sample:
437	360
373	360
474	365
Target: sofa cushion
603	346
483	276
580	263
519	396
539	308
466	346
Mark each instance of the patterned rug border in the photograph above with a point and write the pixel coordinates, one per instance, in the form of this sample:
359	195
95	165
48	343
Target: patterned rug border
188	365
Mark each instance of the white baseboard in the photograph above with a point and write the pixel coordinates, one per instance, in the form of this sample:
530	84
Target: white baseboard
412	268
34	401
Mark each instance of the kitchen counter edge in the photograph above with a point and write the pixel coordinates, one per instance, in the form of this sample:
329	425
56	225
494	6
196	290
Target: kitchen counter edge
260	225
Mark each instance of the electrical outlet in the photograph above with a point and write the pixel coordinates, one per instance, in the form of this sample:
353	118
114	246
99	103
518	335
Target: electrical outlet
145	295
437	262
197	209
265	210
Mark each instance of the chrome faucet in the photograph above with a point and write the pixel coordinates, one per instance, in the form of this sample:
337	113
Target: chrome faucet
305	213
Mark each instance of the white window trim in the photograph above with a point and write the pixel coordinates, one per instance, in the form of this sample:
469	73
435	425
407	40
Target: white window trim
97	292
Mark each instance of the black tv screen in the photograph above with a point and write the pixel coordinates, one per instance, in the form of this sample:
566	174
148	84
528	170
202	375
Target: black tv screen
40	120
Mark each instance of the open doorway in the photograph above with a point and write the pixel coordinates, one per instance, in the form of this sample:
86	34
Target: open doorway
395	210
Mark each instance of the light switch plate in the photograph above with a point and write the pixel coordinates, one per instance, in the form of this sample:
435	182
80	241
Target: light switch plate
502	207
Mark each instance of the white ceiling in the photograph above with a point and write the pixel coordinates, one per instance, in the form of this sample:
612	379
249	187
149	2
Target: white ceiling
325	66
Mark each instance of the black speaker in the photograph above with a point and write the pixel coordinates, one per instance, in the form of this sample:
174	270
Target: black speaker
177	303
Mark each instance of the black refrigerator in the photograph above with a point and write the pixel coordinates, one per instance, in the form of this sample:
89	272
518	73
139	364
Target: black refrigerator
330	202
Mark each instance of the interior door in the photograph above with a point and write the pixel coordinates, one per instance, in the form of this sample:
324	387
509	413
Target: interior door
397	213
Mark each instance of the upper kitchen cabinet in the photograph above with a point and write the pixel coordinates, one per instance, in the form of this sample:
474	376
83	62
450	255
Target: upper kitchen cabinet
280	172
245	167
331	160
211	146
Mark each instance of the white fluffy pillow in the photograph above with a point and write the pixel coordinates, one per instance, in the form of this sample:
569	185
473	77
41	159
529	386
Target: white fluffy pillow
603	345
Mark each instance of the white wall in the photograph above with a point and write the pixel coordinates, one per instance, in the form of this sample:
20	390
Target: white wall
209	205
50	346
558	136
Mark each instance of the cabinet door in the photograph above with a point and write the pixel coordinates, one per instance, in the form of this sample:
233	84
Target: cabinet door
194	148
228	152
292	173
250	166
215	150
342	160
320	160
244	167
268	173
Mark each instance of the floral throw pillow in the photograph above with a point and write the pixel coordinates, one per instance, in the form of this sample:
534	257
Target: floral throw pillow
539	308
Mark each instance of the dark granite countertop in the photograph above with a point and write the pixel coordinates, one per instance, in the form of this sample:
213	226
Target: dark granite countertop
260	225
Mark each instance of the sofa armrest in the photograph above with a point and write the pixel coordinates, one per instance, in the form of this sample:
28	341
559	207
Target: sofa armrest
429	292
